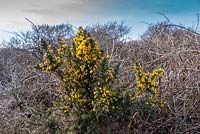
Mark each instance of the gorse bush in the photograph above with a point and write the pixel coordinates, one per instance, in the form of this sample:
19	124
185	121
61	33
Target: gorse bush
88	96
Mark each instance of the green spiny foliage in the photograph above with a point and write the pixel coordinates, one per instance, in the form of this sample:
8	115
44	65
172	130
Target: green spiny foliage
88	95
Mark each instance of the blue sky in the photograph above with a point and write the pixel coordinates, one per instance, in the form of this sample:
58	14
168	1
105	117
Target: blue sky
89	12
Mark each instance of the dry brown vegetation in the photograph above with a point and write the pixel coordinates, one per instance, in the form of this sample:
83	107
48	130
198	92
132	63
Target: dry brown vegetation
25	92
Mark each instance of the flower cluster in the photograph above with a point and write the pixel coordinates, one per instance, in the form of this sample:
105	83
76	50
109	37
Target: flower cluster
146	85
74	97
52	59
103	98
146	81
88	51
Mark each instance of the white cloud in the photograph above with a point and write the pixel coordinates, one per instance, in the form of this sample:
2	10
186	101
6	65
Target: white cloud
40	11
